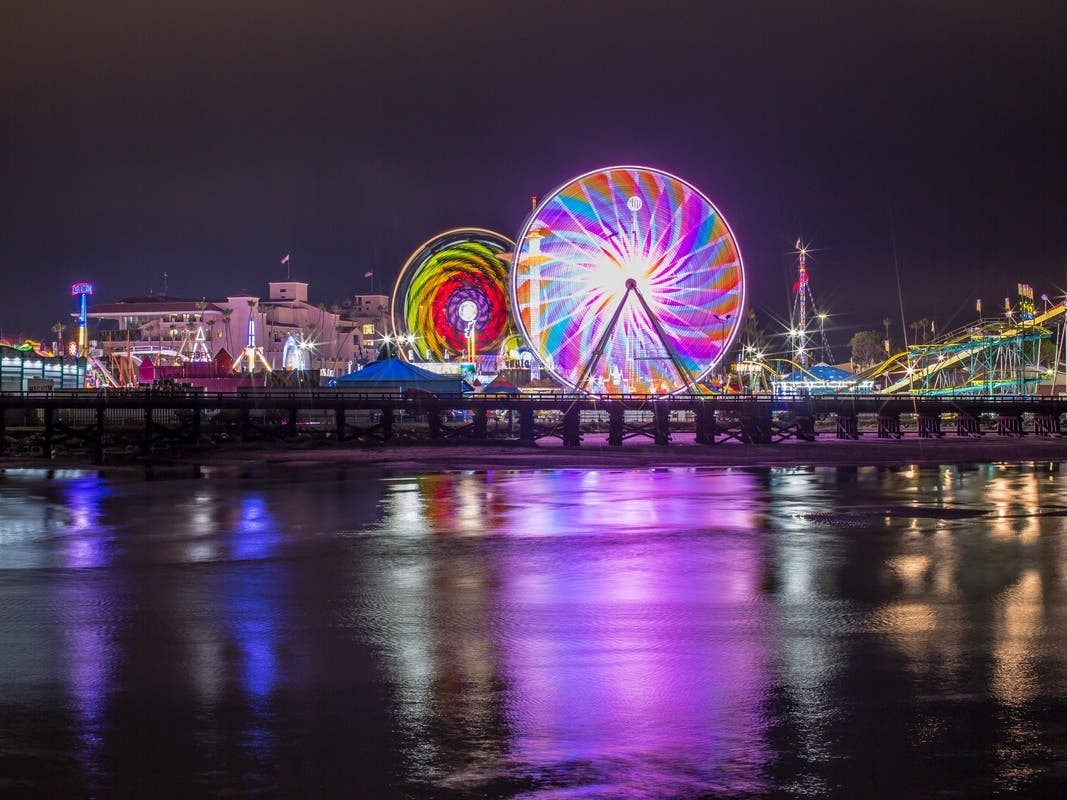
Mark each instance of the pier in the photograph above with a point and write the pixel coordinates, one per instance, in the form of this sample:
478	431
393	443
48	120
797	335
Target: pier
144	422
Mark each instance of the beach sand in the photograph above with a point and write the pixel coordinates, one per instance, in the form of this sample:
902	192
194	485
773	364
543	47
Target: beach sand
593	453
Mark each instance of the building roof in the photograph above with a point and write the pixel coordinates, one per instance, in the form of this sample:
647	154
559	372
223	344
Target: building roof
500	385
149	305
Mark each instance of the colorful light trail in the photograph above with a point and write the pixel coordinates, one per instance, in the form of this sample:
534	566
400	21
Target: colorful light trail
628	279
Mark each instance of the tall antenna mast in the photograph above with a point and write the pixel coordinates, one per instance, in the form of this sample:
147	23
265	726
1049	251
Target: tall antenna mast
801	288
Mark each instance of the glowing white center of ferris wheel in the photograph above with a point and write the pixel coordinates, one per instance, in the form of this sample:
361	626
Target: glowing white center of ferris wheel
635	203
613	269
468	311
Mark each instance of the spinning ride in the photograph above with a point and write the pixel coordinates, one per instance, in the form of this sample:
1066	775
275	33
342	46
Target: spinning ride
628	279
450	298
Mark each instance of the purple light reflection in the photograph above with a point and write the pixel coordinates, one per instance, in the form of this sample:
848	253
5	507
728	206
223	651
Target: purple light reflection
252	607
629	629
564	502
85	542
603	670
89	658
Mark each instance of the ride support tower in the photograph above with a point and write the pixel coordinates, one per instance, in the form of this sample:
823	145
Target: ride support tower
803	301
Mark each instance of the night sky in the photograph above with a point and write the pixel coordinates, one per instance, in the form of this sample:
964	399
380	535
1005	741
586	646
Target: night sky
206	140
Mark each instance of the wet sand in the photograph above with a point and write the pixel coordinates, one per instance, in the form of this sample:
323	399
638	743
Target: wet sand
594	452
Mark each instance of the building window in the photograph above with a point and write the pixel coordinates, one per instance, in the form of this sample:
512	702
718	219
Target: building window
368	330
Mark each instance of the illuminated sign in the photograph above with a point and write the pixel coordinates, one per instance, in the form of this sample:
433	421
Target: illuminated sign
81	288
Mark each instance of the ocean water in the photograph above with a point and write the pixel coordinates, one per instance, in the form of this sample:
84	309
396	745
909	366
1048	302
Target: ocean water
675	633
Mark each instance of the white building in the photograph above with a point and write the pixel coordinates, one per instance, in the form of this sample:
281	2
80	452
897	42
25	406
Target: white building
283	331
369	315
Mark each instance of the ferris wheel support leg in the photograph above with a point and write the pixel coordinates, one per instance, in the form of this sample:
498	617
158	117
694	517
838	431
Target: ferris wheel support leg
598	351
683	373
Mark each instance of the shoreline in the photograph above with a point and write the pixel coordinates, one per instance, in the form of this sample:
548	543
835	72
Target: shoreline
594	453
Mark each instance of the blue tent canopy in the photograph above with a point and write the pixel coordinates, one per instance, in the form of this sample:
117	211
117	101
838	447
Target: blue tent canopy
819	372
821	378
394	375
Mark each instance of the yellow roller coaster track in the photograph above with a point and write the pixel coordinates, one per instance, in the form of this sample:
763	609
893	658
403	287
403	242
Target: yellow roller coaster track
969	343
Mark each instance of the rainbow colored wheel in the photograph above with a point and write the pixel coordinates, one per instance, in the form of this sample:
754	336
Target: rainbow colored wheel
628	280
451	295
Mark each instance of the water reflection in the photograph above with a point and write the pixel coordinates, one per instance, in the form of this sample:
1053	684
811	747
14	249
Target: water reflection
642	633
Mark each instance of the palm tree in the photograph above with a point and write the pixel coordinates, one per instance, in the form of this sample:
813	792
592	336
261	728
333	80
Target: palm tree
58	329
226	314
920	325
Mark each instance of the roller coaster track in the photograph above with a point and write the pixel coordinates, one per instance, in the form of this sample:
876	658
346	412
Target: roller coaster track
958	347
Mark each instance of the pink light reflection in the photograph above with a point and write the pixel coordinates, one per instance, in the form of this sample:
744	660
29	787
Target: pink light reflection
610	666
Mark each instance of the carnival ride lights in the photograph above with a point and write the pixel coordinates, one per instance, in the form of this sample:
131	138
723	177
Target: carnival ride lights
627	279
450	296
251	355
294	354
988	357
802	300
82	290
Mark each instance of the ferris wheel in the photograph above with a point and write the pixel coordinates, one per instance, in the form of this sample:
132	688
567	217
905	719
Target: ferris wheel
628	280
450	299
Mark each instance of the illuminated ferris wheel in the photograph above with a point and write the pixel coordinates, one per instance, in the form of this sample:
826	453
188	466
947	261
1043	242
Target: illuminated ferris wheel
450	300
628	279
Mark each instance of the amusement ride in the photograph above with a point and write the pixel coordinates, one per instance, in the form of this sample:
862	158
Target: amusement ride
629	280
